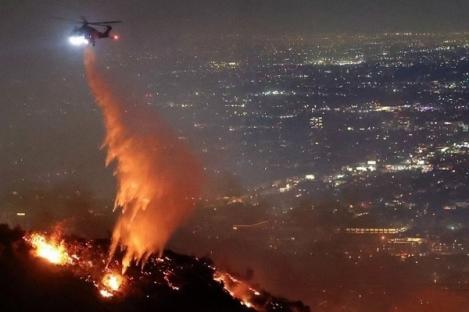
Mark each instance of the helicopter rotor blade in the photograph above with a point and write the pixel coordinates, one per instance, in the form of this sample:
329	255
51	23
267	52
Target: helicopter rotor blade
85	21
66	19
104	23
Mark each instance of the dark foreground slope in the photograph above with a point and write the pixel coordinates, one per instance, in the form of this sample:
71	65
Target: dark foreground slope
175	283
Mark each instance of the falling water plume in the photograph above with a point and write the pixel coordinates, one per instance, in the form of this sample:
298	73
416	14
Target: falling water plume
157	176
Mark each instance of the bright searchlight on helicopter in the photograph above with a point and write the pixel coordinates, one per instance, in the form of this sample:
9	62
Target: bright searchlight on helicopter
78	40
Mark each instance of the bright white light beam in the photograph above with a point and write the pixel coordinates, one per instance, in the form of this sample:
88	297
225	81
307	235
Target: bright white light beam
78	40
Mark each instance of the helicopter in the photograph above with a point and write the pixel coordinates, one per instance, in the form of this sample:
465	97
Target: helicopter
85	34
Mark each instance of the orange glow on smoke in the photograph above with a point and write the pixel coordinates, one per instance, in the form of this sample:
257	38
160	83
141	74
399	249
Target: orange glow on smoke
157	177
49	249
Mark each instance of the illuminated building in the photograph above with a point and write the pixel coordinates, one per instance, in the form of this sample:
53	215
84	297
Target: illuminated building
374	231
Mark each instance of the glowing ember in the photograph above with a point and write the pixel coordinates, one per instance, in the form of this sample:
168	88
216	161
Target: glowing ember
110	284
105	293
49	249
112	281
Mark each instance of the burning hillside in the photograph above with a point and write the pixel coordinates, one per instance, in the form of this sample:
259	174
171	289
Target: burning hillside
49	272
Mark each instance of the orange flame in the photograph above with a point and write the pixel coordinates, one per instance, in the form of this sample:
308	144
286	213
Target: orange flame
49	249
157	177
56	252
105	293
237	288
111	283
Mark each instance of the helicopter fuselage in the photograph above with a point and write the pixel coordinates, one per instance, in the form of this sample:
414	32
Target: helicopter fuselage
91	33
88	32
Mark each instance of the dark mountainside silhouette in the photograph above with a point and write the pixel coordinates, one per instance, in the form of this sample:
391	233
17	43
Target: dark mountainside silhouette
28	283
